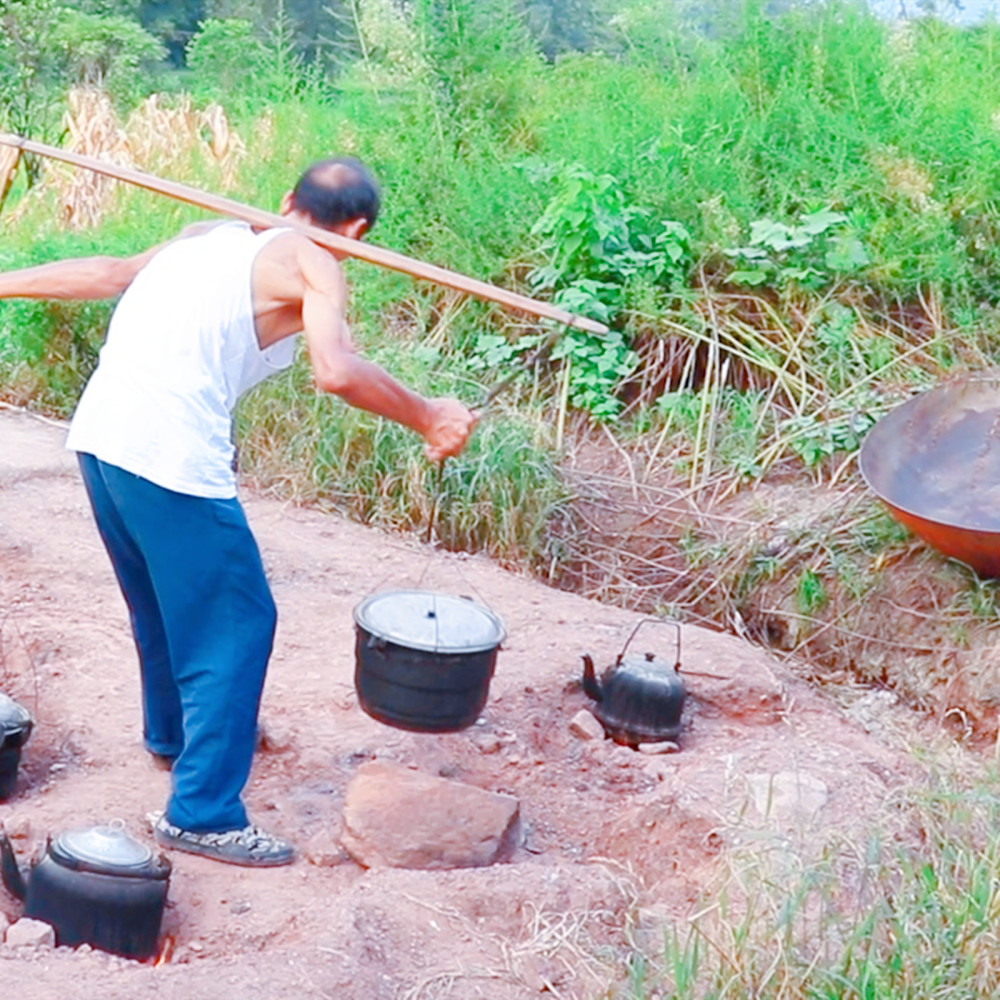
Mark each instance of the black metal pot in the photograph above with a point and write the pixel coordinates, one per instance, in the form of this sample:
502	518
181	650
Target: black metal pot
640	698
15	728
424	661
96	886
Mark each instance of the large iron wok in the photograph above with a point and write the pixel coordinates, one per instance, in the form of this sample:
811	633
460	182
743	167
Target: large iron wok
935	462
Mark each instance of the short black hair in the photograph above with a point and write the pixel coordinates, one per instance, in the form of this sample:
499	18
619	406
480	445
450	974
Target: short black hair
337	190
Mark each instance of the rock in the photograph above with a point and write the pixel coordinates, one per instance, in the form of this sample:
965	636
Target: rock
486	742
18	827
4	924
659	767
28	933
274	739
584	726
788	796
323	851
871	709
664	746
400	818
541	974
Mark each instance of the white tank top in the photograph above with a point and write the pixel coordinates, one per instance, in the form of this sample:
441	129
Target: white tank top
181	350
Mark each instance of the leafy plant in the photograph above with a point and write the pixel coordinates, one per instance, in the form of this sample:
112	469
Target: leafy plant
28	68
225	53
598	362
814	438
810	592
821	242
103	50
595	245
590	233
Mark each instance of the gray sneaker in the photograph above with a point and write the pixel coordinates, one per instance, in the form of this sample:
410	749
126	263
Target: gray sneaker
250	847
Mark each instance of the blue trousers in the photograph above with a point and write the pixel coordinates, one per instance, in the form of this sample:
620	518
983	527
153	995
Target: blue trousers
203	620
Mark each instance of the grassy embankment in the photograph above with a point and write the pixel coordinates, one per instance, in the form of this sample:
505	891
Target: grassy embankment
790	227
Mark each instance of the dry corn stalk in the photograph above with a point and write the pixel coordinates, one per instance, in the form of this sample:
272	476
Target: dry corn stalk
163	139
94	130
156	138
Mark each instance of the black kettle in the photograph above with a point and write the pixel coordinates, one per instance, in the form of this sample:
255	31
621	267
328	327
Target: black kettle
641	697
15	728
96	886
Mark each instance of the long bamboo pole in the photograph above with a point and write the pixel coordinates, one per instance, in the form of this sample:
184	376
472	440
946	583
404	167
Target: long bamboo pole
352	248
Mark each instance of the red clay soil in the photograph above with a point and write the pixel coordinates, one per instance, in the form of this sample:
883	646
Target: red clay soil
617	844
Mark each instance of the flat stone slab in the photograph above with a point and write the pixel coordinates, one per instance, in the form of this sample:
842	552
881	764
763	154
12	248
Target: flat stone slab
397	817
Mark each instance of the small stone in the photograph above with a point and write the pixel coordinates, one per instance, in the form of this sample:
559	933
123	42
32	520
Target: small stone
663	746
584	726
486	742
540	974
196	946
659	767
239	906
18	827
4	924
788	796
274	739
28	933
323	851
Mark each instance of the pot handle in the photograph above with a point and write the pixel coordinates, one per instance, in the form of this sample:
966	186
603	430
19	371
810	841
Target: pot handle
377	643
655	621
161	867
13	879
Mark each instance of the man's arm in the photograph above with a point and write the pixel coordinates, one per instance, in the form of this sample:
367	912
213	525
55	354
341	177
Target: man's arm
99	277
82	278
445	424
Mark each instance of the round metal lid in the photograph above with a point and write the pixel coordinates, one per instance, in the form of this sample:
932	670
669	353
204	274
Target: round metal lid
107	847
14	718
437	623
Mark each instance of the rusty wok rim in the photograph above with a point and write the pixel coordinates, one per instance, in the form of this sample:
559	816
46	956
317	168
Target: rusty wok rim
891	448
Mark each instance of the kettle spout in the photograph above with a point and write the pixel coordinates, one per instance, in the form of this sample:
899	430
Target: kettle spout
590	685
12	877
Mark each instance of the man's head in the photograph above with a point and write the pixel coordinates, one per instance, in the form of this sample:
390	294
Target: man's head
338	194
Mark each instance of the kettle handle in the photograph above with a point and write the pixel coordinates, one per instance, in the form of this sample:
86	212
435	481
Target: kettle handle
655	621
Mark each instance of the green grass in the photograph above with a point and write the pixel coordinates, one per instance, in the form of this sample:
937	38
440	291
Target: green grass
907	916
475	136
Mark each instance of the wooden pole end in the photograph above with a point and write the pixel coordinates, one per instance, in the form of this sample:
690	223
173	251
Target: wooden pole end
10	156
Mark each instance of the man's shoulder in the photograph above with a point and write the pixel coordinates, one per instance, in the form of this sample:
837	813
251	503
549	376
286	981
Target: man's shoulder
293	248
200	228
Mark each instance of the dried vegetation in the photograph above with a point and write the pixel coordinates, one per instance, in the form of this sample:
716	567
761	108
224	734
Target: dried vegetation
737	526
161	135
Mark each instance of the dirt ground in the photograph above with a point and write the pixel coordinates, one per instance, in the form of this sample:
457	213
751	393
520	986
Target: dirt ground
617	844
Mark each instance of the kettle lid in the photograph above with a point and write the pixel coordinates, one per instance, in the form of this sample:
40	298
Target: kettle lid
108	849
646	665
14	718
